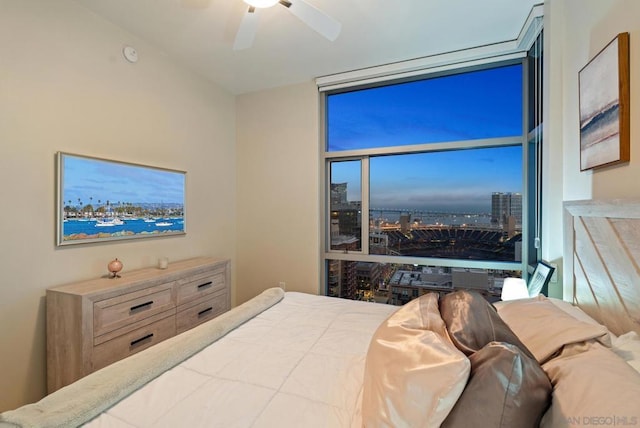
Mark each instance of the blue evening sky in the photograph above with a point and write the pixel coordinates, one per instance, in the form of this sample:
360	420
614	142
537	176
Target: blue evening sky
103	180
481	104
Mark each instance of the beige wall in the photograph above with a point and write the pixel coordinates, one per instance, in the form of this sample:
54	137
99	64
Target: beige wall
576	31
552	152
65	86
278	182
252	187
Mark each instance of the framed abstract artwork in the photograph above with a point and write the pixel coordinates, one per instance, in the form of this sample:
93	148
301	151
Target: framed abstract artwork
105	200
604	106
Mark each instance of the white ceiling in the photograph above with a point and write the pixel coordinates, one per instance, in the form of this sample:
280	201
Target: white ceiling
200	34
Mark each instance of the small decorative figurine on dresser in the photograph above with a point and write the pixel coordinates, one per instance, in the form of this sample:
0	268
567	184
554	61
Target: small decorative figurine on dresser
114	267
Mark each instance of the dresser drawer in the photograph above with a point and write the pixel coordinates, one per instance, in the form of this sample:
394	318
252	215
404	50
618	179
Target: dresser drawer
196	286
201	312
111	314
132	342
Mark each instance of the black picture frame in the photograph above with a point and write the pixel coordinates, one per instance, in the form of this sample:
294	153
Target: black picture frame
540	278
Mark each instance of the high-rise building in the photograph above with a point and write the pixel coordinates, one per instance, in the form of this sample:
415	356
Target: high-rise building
505	205
338	193
341	279
368	276
346	216
464	278
405	222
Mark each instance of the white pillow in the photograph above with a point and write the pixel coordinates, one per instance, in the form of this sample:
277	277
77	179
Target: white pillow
627	346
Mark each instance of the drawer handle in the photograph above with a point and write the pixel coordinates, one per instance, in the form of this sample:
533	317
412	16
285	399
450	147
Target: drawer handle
205	311
142	339
141	306
205	285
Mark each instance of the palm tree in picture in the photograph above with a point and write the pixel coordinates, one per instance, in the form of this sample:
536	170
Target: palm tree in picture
80	209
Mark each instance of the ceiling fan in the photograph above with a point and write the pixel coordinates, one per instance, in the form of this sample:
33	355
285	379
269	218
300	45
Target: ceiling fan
310	15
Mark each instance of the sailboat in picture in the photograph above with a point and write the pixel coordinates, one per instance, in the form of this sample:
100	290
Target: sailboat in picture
162	221
110	220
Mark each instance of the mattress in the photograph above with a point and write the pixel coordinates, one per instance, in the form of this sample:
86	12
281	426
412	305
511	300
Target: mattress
298	363
298	360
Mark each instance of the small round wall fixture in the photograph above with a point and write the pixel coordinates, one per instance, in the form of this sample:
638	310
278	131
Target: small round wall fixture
131	54
114	267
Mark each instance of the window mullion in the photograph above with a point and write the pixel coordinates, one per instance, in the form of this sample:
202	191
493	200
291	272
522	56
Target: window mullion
364	211
425	148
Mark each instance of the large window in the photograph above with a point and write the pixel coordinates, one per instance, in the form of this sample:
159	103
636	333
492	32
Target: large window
427	184
464	106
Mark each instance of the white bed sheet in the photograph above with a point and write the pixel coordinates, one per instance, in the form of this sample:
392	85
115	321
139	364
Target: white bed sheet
299	363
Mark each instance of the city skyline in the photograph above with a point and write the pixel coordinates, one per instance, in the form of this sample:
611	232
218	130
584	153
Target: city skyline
451	195
481	104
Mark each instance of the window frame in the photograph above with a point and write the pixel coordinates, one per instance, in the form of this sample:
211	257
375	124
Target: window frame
530	171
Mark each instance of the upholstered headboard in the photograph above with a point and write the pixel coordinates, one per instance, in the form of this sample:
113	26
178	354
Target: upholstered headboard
602	253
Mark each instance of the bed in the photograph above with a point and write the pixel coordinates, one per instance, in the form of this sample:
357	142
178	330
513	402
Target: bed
297	360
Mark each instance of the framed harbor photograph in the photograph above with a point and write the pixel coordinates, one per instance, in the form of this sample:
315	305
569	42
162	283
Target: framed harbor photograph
604	106
104	200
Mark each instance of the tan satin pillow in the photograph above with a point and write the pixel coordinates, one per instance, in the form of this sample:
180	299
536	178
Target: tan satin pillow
413	373
592	386
506	389
545	329
473	322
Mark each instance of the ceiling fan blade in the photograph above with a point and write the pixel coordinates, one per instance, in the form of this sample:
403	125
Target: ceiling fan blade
247	30
314	18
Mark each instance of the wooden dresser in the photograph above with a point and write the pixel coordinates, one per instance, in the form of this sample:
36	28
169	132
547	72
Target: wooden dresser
91	324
